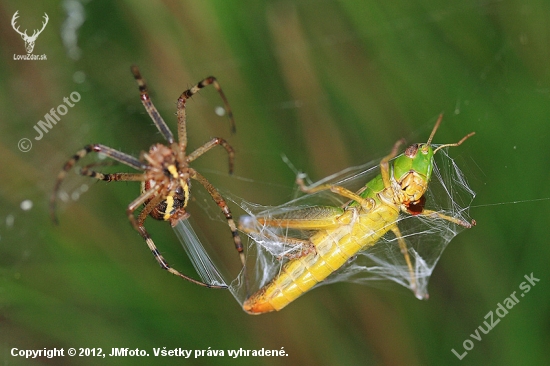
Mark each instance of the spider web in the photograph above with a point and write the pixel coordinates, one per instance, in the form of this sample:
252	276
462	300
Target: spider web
426	238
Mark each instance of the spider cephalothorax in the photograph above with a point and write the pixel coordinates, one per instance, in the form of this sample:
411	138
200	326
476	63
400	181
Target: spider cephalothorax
165	173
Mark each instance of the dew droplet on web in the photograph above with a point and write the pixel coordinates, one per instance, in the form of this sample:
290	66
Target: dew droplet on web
9	220
26	205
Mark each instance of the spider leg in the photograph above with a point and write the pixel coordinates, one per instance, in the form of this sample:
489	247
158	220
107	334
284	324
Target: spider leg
217	197
148	208
139	226
150	108
209	145
97	148
113	177
182	129
100	164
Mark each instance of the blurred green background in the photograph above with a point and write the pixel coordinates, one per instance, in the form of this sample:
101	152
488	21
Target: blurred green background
329	84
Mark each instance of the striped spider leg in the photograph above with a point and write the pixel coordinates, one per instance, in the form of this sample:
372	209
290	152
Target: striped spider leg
165	174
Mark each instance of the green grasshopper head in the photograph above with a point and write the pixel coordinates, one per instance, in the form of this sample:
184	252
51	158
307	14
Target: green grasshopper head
413	170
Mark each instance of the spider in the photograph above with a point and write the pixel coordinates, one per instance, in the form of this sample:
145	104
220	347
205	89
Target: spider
165	173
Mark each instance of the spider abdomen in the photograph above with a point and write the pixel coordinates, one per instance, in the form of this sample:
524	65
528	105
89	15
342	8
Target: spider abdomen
173	204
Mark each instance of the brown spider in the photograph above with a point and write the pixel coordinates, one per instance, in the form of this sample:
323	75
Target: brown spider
166	174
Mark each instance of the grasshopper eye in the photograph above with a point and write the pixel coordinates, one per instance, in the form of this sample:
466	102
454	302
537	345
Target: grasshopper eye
411	151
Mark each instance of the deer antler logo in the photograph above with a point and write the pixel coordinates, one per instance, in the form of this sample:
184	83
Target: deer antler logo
29	40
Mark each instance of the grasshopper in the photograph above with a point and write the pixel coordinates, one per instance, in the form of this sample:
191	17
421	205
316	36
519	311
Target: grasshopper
339	233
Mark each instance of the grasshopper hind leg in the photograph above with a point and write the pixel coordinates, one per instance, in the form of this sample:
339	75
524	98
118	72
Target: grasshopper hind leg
405	252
